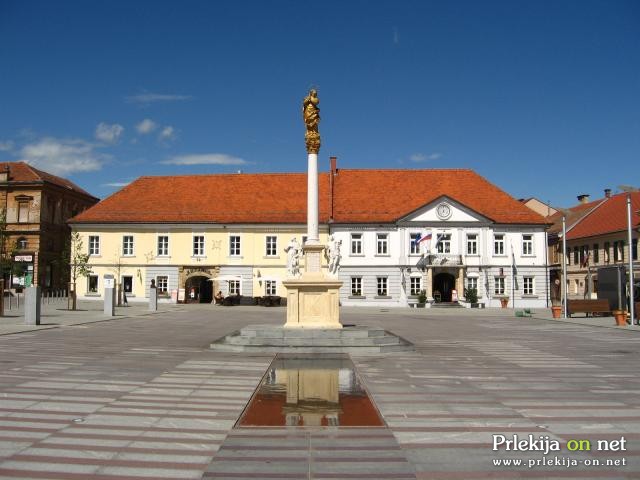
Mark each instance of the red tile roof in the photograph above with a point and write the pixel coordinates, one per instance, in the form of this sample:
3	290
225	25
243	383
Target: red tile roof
364	196
610	217
225	199
572	215
23	172
360	196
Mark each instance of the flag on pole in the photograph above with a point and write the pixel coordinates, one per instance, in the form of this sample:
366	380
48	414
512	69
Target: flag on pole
423	238
514	270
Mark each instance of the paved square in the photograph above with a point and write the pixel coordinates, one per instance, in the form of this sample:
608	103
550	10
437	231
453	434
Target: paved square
145	397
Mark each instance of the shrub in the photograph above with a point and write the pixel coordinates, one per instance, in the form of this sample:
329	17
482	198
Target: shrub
471	295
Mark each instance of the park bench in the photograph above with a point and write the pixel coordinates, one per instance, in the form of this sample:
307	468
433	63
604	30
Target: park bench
588	306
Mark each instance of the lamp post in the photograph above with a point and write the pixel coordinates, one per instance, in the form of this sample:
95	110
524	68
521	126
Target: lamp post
564	267
630	238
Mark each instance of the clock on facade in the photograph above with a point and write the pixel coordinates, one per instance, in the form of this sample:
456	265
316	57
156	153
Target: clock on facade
443	211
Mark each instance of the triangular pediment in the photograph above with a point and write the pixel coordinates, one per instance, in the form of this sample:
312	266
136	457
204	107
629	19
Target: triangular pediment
446	210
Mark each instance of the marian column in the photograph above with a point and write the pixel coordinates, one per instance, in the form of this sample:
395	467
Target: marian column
312	298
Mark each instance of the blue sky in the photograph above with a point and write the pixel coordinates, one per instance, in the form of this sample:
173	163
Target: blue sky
540	97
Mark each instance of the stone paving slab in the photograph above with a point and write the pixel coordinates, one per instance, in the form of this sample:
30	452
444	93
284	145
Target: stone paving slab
144	397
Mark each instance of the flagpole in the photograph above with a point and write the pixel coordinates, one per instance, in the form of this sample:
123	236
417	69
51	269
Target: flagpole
513	281
564	267
631	285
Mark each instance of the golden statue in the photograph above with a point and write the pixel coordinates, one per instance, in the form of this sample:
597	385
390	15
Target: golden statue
311	117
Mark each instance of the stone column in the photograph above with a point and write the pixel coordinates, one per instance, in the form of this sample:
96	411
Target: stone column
428	284
32	305
460	282
313	237
153	299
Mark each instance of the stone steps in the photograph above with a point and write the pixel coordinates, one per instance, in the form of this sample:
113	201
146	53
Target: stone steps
360	340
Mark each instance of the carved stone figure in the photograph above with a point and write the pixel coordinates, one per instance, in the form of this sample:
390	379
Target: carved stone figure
333	254
311	117
293	258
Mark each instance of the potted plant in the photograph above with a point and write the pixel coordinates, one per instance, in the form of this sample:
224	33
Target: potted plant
471	296
556	308
621	317
504	301
422	298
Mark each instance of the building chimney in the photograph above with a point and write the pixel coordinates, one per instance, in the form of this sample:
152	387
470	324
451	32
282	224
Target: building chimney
607	192
583	198
333	162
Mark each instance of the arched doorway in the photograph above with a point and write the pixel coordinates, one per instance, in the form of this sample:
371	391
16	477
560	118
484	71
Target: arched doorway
198	289
443	283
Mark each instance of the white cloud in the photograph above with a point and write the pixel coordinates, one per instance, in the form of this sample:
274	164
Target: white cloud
116	184
146	126
109	133
167	133
6	146
148	97
62	156
205	159
424	157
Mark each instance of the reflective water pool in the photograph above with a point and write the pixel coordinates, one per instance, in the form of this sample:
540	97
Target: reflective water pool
311	391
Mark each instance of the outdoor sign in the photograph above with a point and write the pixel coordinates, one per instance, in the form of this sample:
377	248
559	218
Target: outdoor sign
23	258
109	283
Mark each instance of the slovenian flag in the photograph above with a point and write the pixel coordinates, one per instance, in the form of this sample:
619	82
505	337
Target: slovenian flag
423	238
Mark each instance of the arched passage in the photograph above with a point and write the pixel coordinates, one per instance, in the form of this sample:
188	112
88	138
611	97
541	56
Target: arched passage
198	289
443	283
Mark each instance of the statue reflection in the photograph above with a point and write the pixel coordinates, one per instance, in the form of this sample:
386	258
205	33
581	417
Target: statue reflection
298	392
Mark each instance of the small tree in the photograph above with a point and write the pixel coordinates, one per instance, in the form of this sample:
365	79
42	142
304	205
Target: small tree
79	265
117	270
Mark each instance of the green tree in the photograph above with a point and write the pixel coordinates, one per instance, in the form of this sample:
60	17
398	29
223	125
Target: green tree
78	266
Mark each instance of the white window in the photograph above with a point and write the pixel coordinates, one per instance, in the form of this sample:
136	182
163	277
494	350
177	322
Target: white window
527	244
163	245
444	243
472	244
527	285
198	245
415	285
234	245
414	247
234	287
382	243
22	243
356	286
162	284
269	287
498	244
356	244
127	245
498	285
472	283
382	283
271	246
94	245
93	284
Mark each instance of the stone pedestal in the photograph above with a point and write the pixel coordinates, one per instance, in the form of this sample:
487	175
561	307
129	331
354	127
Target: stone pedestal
109	295
32	306
313	303
153	299
313	300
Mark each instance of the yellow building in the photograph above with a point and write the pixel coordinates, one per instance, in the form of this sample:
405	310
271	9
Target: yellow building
196	235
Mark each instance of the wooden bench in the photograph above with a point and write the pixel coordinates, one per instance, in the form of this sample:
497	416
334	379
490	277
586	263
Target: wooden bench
588	306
